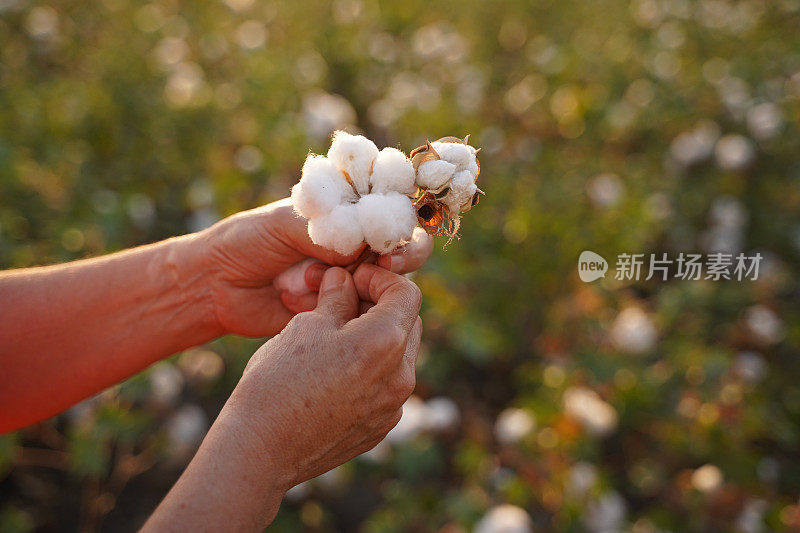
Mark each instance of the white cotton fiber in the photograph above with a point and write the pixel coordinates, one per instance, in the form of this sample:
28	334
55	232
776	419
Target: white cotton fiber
321	188
462	188
392	171
387	220
433	174
459	154
353	154
339	230
473	166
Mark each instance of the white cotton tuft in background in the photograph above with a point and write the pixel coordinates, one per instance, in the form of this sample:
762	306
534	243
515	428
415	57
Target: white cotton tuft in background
321	188
513	424
353	154
443	414
392	171
505	518
387	220
411	423
433	174
339	230
462	188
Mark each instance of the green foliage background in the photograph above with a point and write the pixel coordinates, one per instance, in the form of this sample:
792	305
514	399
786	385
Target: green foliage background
126	122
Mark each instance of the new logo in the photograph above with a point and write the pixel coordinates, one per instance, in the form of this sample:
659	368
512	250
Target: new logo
591	266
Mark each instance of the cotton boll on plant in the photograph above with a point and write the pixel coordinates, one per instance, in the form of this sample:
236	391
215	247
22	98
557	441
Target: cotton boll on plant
339	230
392	171
354	155
633	331
411	424
185	430
166	383
513	424
443	414
321	188
505	518
387	220
597	416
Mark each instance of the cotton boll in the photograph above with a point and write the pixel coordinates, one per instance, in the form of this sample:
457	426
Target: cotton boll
339	230
707	478
387	220
201	366
461	155
379	454
505	518
462	188
581	479
411	423
322	187
596	415
633	331
443	414
166	383
333	480
354	155
392	171
513	424
606	513
433	174
185	430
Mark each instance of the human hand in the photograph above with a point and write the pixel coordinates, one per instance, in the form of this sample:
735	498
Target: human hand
332	384
247	251
328	388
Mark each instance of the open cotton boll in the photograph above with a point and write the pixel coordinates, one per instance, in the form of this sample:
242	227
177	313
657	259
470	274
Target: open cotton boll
387	220
321	188
456	153
339	230
354	155
433	174
462	188
392	171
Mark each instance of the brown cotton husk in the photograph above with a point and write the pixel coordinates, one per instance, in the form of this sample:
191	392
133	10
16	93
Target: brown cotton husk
423	153
435	218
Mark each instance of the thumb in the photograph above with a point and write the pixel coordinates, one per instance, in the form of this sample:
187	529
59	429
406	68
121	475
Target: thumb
338	298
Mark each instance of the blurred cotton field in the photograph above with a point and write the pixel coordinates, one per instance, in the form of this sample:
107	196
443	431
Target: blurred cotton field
543	403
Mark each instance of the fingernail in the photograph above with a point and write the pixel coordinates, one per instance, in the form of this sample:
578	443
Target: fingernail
314	275
333	279
397	261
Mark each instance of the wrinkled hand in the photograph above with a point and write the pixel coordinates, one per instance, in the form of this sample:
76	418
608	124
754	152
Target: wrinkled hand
247	251
332	384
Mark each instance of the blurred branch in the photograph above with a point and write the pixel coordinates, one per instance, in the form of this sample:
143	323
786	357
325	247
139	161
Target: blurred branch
42	457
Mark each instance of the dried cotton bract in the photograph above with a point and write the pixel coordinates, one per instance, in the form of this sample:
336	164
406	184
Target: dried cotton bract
447	175
359	194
